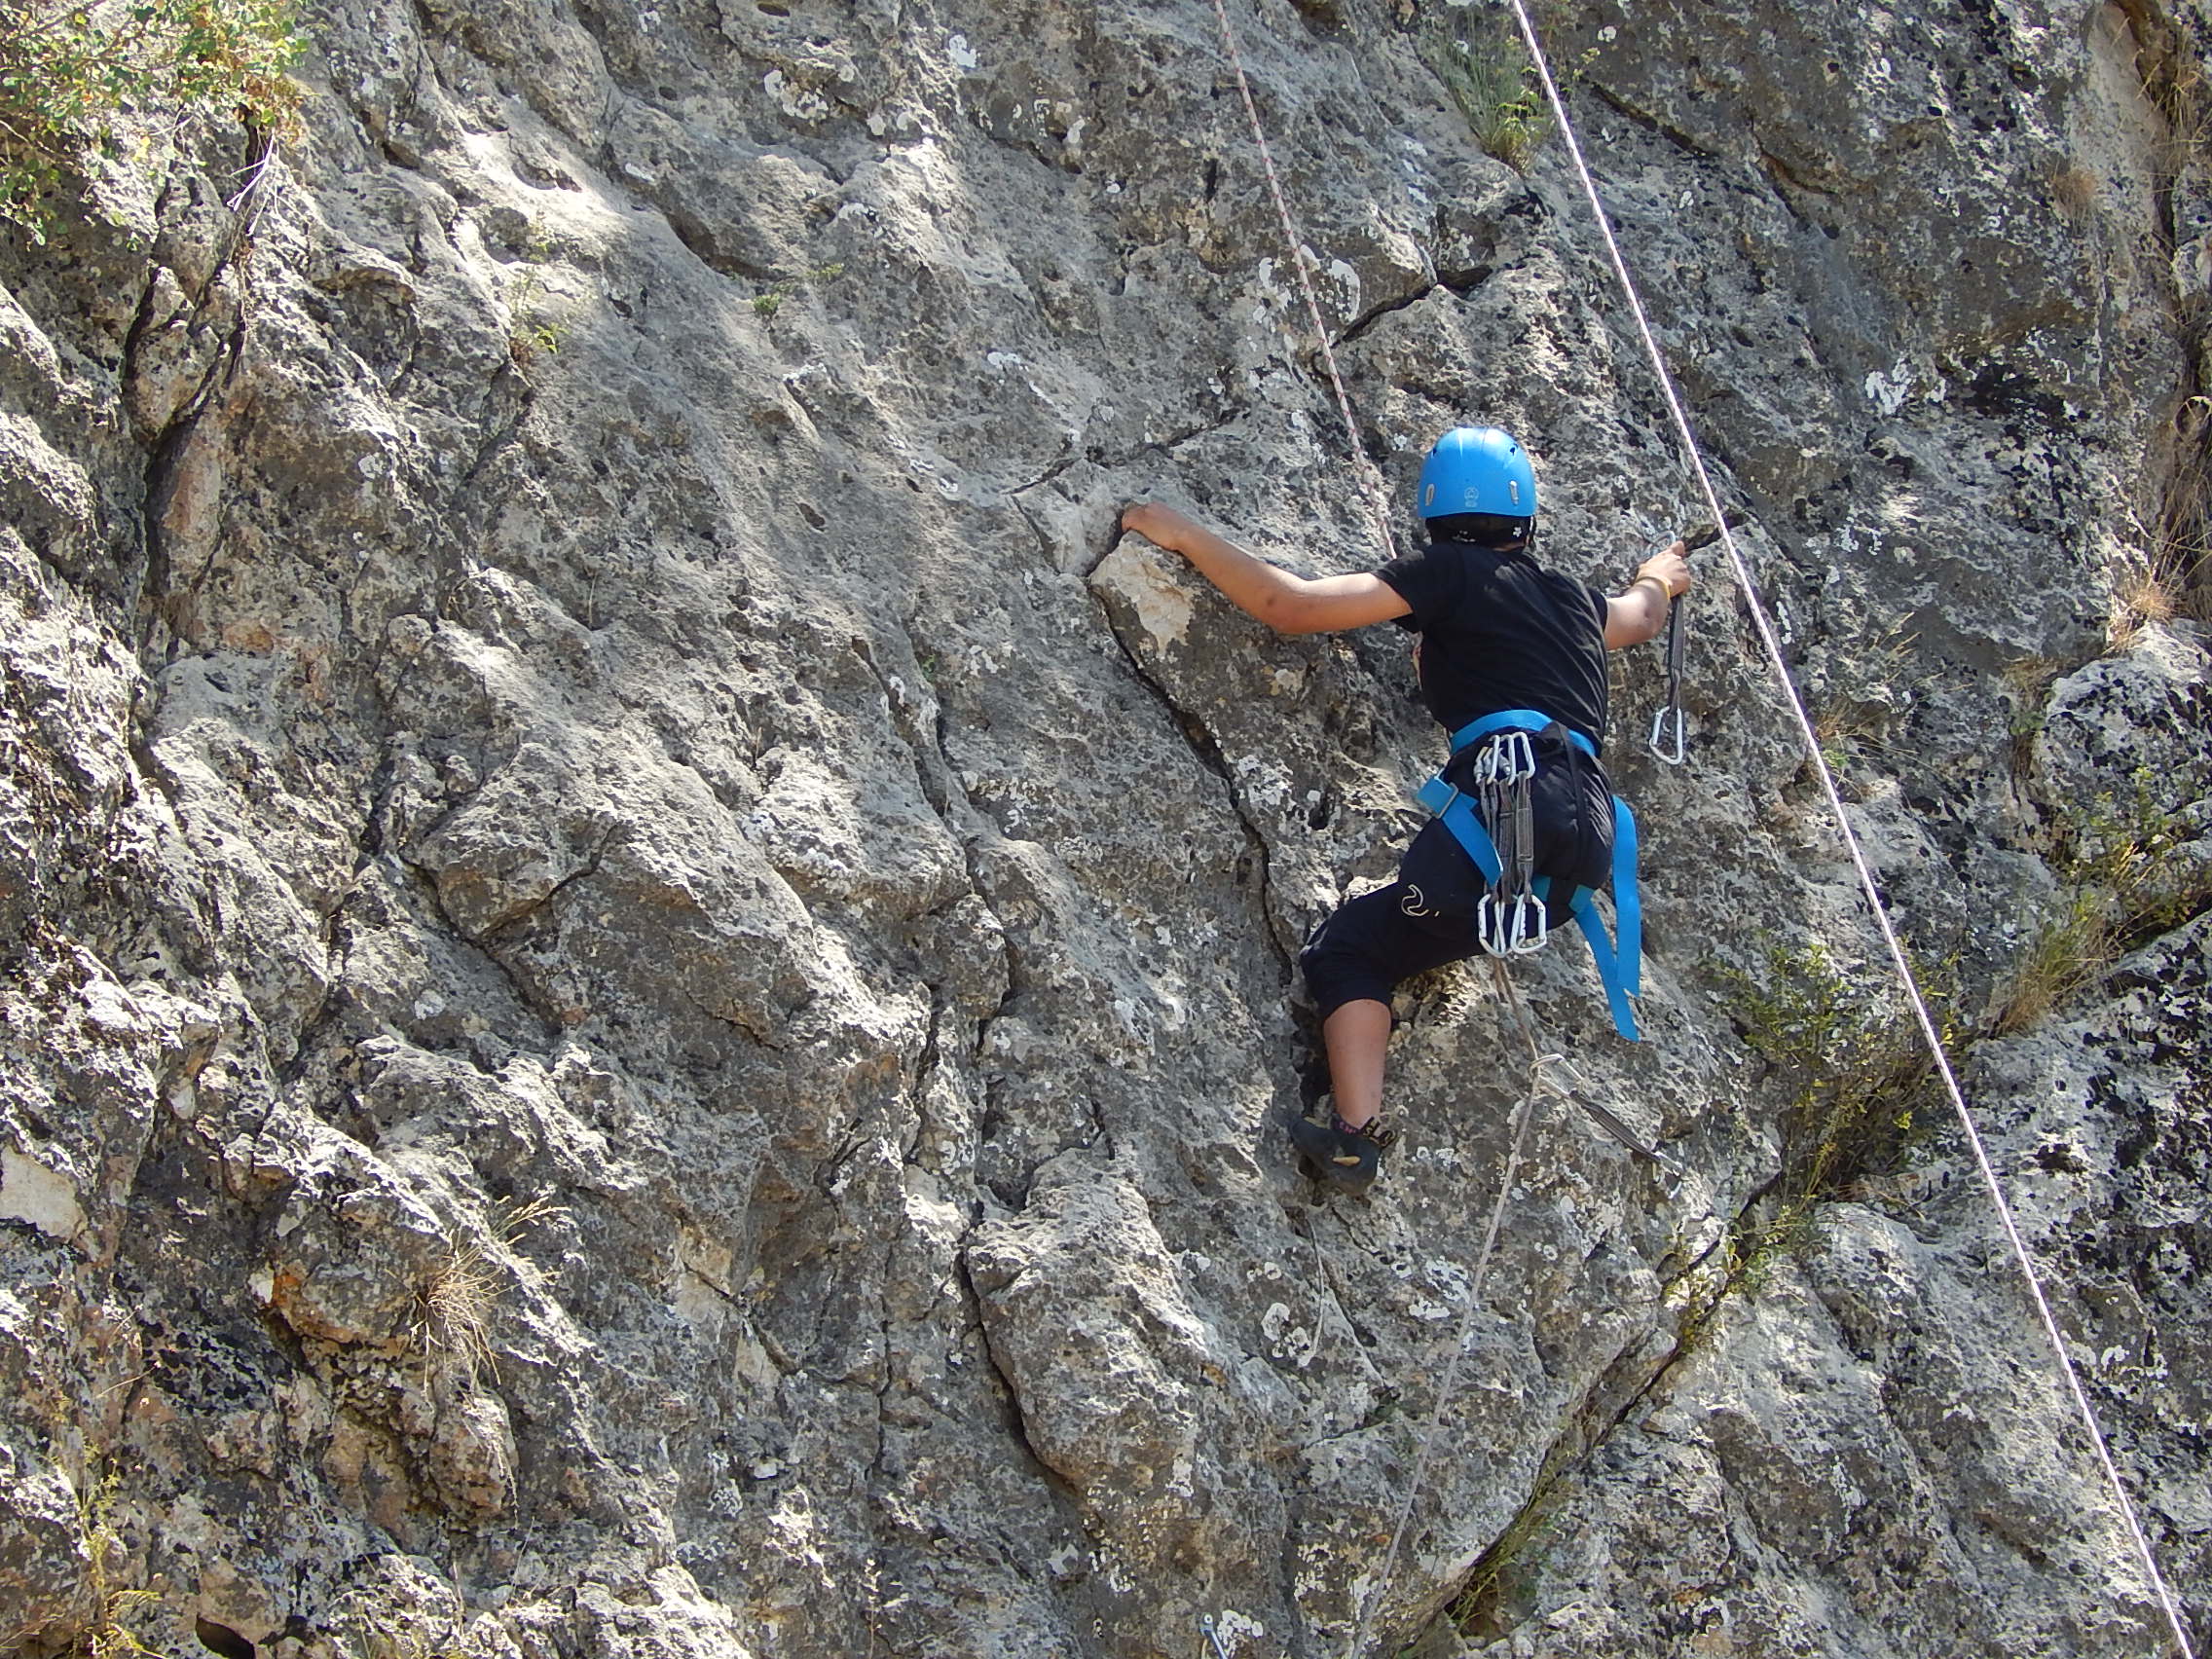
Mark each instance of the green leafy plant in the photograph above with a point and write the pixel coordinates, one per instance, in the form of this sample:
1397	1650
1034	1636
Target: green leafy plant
1486	72
2122	885
769	301
68	70
1852	1060
1857	1077
535	329
110	1637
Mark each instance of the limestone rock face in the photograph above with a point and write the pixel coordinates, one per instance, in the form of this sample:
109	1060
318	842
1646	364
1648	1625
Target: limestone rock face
650	985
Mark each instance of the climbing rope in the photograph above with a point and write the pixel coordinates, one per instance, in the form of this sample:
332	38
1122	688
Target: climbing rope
1540	1065
1377	495
1829	786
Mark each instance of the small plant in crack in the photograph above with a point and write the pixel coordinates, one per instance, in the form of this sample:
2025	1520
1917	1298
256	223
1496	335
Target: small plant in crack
111	1636
1856	1076
2131	870
465	1287
770	299
1486	69
535	327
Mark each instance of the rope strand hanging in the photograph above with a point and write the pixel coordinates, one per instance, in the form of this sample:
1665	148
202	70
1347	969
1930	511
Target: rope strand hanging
1829	788
1539	1082
1370	480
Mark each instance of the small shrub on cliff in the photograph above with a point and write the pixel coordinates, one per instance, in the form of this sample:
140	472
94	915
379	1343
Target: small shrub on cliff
1487	73
110	1637
2127	879
1849	1055
1856	1072
68	70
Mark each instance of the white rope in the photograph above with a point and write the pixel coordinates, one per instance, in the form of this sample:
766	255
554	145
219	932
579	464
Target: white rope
1867	882
1537	1061
1377	496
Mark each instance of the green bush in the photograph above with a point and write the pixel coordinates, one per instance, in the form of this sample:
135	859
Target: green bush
2124	883
68	70
1485	67
1848	1051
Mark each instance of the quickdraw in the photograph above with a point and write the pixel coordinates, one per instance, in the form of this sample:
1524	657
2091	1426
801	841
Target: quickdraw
1511	919
1669	727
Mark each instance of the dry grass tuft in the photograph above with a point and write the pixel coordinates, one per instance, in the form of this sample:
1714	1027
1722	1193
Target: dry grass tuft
464	1290
2074	190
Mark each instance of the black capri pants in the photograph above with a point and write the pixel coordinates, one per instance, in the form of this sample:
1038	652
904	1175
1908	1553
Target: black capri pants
1426	917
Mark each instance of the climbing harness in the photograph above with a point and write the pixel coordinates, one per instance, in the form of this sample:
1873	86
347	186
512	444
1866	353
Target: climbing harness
1474	823
1924	1018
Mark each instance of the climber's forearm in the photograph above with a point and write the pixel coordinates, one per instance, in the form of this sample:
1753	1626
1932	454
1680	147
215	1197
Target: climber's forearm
1265	592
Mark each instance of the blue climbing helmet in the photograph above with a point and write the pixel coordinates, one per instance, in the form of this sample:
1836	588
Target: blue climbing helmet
1477	470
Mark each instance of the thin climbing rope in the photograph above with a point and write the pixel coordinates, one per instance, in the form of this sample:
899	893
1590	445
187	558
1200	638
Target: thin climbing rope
1903	965
1378	498
1522	1116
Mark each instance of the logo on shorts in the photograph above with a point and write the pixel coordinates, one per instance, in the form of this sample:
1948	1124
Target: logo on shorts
1414	904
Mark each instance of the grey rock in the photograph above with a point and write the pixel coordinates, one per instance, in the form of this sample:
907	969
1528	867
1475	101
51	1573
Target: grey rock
650	993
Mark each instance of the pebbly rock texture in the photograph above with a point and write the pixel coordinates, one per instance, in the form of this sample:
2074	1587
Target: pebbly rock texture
651	993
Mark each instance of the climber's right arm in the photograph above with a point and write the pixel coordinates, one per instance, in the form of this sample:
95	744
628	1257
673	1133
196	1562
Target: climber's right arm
1638	615
1287	602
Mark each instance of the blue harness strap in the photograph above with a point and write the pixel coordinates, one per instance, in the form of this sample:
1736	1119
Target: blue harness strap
1619	970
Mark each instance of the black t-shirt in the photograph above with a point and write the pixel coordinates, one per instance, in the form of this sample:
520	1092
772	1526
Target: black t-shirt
1499	631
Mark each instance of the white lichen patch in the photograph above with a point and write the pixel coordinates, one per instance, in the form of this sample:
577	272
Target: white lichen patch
800	103
46	1198
1288	1344
1447	1278
1890	392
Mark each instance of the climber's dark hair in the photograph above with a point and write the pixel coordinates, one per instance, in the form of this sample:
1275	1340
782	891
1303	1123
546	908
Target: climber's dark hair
1484	530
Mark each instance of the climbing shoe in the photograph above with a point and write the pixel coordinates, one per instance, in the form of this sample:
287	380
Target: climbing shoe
1345	1158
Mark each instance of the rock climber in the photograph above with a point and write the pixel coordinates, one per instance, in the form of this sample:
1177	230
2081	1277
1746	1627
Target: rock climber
1498	632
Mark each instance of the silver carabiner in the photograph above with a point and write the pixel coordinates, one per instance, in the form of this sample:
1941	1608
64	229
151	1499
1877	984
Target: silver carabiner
1490	929
1512	927
1507	759
1519	760
1530	937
